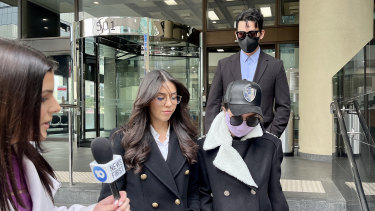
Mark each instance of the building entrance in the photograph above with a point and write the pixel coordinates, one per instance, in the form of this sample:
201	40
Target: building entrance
111	55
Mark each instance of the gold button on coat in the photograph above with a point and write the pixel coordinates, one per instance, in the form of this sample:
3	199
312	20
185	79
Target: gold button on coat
226	193
143	176
177	202
253	192
187	172
155	205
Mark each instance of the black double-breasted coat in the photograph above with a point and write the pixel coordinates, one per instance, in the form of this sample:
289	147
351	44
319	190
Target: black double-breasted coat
240	174
161	185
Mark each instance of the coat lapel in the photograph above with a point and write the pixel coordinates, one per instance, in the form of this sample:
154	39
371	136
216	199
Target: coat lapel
236	64
261	67
157	166
175	159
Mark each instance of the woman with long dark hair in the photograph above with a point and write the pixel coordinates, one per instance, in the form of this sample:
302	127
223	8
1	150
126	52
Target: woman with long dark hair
158	147
27	181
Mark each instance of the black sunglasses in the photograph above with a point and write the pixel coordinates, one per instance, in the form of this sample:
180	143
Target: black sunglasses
251	121
241	34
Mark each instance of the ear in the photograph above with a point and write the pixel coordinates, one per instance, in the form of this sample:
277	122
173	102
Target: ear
262	34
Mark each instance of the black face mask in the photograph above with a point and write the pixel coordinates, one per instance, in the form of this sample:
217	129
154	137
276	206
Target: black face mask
248	44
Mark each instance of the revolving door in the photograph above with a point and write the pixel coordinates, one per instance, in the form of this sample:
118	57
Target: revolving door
111	56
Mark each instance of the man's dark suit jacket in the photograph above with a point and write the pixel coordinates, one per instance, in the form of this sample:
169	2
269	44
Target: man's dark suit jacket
271	77
161	185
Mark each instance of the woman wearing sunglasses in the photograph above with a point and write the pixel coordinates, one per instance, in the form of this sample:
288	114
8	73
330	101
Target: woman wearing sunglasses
159	149
240	162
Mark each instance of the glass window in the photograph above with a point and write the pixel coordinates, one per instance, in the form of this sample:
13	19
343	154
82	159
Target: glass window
9	19
47	18
59	124
221	14
289	12
214	55
289	54
180	11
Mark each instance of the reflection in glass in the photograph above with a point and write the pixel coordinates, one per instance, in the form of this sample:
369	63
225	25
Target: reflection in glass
114	65
355	81
289	12
9	19
42	18
59	124
289	54
187	12
223	14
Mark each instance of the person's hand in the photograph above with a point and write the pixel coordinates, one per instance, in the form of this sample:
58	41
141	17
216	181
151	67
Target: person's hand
109	203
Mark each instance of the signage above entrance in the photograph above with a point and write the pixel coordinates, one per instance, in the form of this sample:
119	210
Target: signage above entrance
132	26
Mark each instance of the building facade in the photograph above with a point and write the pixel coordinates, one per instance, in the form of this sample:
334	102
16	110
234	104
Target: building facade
316	40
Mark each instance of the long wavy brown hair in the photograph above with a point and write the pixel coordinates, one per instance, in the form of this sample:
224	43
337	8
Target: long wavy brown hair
137	130
22	71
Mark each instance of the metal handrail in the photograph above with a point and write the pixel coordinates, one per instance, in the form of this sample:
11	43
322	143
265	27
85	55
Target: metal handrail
69	108
357	180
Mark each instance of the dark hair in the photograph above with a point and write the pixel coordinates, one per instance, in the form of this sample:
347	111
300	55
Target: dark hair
137	130
22	71
251	14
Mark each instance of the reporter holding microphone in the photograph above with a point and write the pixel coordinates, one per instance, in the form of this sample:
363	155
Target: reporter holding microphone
27	181
159	148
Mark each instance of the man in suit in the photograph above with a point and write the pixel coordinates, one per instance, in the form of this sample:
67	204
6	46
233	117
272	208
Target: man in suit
253	65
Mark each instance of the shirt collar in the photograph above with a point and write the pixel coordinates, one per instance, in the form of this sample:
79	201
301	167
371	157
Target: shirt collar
254	57
156	134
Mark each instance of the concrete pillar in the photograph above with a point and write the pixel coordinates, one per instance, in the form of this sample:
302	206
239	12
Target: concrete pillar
331	33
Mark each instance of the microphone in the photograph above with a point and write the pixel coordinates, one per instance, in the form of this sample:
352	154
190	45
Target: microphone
107	167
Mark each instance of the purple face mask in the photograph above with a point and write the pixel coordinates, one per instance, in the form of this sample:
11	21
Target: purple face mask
240	130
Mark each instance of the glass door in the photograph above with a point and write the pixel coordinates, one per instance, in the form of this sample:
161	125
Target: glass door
119	75
111	67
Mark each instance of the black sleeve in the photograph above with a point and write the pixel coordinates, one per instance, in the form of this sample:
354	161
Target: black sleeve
282	103
116	140
214	98
275	192
193	189
204	183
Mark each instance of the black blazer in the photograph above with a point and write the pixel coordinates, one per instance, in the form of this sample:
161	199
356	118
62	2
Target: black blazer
161	185
271	77
220	191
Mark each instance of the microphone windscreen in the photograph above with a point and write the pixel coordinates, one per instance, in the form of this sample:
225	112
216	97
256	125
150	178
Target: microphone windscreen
101	150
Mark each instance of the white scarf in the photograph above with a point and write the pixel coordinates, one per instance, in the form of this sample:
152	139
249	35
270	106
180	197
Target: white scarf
228	159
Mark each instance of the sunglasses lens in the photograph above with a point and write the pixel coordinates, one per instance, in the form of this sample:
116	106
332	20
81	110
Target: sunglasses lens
253	33
236	120
252	121
241	35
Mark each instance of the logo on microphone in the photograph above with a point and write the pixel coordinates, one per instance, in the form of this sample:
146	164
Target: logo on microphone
100	174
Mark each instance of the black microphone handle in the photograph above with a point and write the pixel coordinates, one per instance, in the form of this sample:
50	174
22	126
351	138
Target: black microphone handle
114	190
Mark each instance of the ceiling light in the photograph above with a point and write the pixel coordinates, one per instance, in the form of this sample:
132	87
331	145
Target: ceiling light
213	21
96	2
266	12
170	2
212	16
45	27
44	19
220	50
